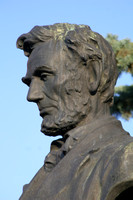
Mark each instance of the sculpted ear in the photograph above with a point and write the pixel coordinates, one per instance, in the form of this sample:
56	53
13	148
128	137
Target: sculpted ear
94	75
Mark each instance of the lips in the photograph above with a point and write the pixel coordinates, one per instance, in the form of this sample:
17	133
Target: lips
45	111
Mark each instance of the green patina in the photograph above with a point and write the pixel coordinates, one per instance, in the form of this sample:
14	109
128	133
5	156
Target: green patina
61	30
93	35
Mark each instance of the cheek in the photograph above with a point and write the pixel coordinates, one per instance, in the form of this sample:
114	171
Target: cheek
50	89
58	84
73	86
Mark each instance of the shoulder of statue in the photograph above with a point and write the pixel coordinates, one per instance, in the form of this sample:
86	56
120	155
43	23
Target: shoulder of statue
30	189
127	160
117	173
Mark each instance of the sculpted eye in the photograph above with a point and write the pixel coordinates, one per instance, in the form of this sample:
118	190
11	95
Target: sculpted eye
42	73
44	76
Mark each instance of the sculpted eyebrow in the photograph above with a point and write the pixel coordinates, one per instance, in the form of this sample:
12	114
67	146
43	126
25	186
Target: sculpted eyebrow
41	69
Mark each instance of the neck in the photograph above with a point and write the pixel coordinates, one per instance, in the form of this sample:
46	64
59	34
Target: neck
98	110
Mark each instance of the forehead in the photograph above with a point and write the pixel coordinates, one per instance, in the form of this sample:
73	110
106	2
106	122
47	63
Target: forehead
48	55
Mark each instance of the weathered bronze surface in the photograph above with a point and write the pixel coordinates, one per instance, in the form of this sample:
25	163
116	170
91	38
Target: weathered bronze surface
71	73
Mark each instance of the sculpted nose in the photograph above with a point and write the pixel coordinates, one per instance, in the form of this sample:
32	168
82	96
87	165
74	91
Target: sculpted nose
35	92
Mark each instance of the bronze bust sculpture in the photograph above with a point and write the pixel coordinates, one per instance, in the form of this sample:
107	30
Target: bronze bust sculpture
71	73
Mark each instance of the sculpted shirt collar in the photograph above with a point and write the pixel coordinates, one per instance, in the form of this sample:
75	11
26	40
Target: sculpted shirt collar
60	147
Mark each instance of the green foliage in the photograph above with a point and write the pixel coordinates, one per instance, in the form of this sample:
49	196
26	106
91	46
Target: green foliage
123	102
123	98
123	50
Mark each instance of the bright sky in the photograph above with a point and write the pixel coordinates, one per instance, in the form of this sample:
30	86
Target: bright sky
22	146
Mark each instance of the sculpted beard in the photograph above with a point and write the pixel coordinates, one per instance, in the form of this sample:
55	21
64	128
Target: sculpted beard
73	107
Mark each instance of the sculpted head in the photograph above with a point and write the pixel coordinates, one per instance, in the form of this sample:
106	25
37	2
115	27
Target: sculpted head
71	73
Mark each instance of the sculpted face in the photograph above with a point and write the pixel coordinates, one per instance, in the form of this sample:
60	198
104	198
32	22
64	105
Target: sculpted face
56	86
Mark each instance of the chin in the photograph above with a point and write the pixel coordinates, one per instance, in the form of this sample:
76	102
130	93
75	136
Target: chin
49	132
55	125
50	128
61	130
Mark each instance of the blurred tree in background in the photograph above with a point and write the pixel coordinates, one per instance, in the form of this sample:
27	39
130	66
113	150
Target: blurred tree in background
123	98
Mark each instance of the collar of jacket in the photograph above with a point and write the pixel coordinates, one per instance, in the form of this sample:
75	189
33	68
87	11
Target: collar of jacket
60	147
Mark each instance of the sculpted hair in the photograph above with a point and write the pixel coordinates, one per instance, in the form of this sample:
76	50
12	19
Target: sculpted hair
88	45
